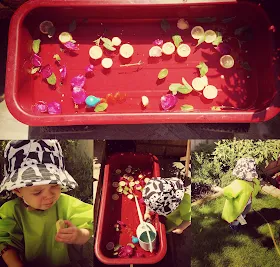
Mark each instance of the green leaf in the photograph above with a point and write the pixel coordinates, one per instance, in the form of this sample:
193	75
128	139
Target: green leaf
162	74
174	87
245	65
216	108
72	26
218	40
107	41
34	70
187	107
165	26
52	79
57	57
203	68
184	89
36	46
206	19
201	40
109	47
177	39
51	32
228	20
101	107
186	84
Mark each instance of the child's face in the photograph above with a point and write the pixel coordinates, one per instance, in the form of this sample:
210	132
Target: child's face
40	197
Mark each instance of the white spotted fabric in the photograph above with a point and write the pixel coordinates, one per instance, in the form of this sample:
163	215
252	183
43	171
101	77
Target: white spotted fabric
35	162
163	195
245	169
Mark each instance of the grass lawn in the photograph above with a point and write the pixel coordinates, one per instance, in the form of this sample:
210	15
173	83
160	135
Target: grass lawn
214	244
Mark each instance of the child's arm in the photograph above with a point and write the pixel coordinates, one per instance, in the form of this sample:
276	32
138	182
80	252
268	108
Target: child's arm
73	234
147	214
11	258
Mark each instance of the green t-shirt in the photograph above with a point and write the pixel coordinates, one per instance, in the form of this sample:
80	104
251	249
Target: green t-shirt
182	213
32	233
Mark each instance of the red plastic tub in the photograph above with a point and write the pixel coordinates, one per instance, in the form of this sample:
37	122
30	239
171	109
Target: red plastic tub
248	95
124	210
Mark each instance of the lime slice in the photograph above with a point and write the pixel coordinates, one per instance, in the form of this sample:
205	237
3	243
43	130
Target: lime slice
115	184
130	178
131	184
197	32
210	36
183	50
137	182
138	187
45	26
107	63
116	41
210	92
130	196
60	225
227	61
95	52
65	37
110	246
198	84
182	24
146	180
122	183
155	51
168	48
115	197
118	171
145	102
119	189
126	50
204	79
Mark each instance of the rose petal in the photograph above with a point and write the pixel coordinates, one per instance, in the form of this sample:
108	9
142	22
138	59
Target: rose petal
71	46
46	71
158	42
54	108
79	95
78	81
40	107
89	68
223	48
63	72
168	101
36	60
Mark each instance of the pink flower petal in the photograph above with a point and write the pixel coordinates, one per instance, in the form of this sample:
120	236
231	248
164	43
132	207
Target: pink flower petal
168	101
89	68
78	81
40	107
71	46
79	95
46	71
158	42
63	72
36	60
54	108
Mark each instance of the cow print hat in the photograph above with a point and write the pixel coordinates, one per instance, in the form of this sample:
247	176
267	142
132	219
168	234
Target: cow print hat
245	169
163	195
35	162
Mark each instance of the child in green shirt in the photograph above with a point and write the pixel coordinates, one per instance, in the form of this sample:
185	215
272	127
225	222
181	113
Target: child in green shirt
240	193
168	197
37	226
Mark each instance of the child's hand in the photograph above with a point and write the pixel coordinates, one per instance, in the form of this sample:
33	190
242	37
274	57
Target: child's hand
147	216
72	234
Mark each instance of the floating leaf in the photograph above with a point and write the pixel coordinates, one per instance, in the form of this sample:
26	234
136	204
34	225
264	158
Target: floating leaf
52	79
200	40
165	25
36	46
57	57
187	108
174	87
35	70
216	108
109	47
218	40
72	26
177	39
228	20
184	89
206	19
203	68
97	41
107	41
51	32
245	65
186	84
101	107
162	74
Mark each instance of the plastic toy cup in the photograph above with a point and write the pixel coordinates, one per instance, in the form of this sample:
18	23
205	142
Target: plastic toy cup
142	236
